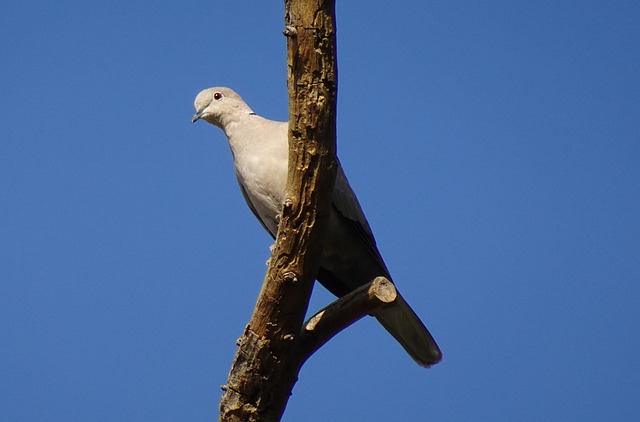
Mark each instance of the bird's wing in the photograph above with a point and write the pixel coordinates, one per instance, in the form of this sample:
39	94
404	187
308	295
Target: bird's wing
253	210
346	203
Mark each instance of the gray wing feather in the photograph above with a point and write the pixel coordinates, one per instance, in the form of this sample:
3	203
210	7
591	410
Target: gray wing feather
253	210
346	203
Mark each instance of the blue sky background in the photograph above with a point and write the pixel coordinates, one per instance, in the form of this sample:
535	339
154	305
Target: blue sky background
495	147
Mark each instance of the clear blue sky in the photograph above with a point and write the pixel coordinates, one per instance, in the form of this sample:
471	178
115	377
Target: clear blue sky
495	147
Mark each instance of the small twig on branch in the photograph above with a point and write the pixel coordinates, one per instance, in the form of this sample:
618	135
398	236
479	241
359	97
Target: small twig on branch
340	314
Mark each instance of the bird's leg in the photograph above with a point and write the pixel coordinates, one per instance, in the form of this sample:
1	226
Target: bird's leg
271	248
274	245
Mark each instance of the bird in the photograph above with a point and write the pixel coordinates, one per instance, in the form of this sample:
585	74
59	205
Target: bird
350	257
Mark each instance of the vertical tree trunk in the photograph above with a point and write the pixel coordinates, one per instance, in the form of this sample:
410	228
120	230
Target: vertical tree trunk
268	360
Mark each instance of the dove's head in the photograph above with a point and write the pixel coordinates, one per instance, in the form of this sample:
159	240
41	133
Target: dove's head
219	106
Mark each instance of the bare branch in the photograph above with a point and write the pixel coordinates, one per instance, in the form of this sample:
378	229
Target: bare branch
267	363
340	314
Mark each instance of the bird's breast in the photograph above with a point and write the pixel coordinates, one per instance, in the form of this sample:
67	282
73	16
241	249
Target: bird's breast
264	182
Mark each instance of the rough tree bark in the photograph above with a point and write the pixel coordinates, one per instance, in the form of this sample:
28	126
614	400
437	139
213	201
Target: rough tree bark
276	343
268	360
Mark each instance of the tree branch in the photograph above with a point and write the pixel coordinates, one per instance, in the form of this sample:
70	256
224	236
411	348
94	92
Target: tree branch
267	362
340	314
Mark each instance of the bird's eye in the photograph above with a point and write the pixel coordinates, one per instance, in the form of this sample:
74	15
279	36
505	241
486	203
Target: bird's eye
217	96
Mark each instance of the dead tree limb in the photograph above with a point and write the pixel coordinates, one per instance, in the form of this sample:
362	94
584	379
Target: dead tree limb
268	360
340	314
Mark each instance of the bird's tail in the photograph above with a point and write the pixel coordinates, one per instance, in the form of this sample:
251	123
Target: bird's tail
402	323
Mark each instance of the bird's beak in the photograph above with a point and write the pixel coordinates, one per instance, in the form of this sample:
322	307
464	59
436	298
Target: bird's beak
197	116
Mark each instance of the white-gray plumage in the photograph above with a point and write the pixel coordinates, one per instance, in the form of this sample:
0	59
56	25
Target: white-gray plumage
350	257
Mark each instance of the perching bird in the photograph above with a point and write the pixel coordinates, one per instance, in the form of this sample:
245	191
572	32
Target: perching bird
350	257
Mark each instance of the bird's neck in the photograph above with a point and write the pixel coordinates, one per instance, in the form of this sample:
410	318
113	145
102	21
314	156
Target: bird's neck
233	122
233	127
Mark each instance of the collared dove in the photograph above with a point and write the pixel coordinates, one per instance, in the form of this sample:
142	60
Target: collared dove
350	257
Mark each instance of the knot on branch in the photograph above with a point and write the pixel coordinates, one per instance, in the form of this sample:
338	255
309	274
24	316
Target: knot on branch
290	31
290	277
